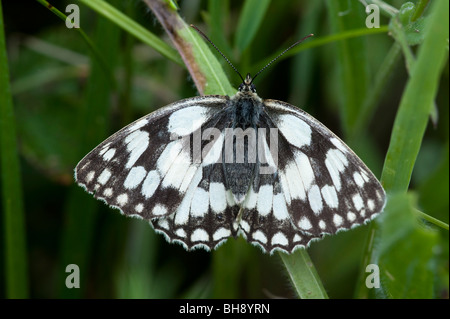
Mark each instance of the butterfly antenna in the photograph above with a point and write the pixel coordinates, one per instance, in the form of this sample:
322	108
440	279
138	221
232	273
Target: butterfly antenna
279	55
223	55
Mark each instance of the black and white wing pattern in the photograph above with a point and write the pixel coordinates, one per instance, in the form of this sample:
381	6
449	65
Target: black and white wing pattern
180	168
326	186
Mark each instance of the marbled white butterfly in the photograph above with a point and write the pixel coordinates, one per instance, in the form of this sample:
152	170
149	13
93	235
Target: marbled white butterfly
206	168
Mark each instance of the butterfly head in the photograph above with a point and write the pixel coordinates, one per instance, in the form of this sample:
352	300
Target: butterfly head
247	85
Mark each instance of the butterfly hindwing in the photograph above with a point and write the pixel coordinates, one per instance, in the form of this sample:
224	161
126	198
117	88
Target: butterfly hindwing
206	216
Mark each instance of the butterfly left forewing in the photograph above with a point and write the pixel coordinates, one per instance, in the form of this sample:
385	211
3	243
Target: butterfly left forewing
145	168
327	187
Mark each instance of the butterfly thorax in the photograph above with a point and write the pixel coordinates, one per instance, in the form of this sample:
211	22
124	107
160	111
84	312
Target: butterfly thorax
246	106
245	109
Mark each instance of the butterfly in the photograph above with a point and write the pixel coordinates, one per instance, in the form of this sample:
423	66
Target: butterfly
207	168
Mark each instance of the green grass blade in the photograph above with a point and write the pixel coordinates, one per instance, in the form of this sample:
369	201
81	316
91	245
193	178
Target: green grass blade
218	10
381	81
250	19
418	97
81	208
202	65
303	275
16	270
317	42
351	59
410	124
85	37
405	251
129	25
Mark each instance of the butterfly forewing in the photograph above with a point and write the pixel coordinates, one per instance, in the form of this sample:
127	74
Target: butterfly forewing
145	169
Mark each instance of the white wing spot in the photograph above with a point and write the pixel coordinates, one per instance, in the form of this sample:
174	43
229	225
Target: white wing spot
279	239
322	224
315	200
365	176
297	238
357	202
137	125
358	179
217	195
221	233
175	174
337	220
122	199
214	154
330	196
159	210
259	235
285	187
104	149
200	202
338	159
188	178
251	200
199	235
90	176
245	226
187	120
334	173
297	191
339	144
150	184
109	155
296	131
135	177
351	216
265	198
137	144
305	169
107	192
230	199
182	213
371	204
279	207
168	156
304	223
180	232
379	196
163	223
139	208
104	176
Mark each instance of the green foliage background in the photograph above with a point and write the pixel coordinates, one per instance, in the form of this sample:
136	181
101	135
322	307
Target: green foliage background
384	91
